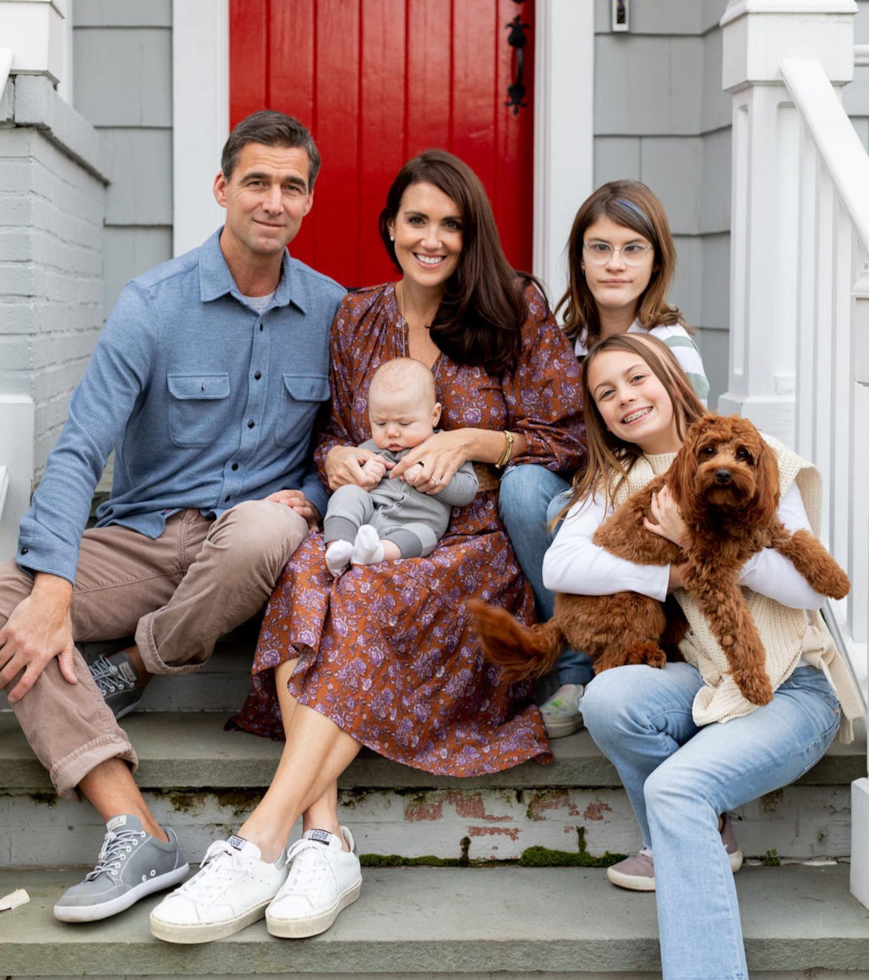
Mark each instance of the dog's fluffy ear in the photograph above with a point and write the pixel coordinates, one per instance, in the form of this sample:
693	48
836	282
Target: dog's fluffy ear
683	473
764	507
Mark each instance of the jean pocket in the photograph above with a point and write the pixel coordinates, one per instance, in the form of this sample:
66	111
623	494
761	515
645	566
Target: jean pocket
198	407
303	394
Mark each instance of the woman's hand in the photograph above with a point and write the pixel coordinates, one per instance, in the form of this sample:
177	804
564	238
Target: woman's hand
668	521
432	464
347	464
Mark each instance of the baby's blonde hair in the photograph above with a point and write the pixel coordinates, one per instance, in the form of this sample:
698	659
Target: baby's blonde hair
399	373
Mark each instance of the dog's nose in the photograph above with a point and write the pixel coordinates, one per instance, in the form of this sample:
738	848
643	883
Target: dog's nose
723	476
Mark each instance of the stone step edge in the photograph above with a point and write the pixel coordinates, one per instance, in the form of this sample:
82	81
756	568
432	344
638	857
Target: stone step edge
190	750
465	921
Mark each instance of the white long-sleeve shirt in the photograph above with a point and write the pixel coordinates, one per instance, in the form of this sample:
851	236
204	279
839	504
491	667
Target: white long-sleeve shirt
575	564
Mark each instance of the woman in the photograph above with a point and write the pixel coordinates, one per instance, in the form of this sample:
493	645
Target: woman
385	656
621	262
681	770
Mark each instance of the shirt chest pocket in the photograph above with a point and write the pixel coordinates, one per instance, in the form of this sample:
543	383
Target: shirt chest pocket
198	408
302	395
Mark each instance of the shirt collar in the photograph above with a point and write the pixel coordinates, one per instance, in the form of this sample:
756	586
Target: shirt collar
215	279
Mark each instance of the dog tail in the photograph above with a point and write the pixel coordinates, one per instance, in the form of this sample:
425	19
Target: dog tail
522	652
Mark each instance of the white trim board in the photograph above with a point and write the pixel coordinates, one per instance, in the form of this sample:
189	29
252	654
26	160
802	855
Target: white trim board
200	115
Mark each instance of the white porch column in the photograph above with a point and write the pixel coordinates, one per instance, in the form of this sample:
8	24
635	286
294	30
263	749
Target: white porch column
38	34
764	291
563	130
860	787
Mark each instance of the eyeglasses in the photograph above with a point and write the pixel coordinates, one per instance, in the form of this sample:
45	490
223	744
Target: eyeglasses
600	253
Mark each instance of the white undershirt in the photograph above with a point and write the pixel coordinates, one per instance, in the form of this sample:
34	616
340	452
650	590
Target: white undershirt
574	564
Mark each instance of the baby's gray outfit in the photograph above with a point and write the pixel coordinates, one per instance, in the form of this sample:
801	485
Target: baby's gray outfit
412	520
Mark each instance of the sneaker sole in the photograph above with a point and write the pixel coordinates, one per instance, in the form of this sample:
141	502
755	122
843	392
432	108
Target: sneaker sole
315	924
637	883
198	932
91	913
561	729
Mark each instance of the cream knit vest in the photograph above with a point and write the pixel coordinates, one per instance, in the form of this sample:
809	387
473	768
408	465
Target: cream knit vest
787	634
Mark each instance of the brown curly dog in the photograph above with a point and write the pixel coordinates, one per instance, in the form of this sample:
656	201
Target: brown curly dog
725	481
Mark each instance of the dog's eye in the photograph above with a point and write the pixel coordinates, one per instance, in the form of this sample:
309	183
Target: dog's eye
708	451
743	454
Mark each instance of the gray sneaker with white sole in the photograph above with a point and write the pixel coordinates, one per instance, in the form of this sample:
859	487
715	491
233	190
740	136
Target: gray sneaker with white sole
118	682
131	865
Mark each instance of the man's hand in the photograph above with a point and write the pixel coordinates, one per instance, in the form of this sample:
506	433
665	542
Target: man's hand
39	629
297	501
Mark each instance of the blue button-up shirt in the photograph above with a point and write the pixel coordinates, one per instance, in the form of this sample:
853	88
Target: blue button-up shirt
206	403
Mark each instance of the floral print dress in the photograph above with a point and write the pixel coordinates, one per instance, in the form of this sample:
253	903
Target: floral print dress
388	651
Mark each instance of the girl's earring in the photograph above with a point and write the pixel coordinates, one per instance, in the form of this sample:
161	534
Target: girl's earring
392	238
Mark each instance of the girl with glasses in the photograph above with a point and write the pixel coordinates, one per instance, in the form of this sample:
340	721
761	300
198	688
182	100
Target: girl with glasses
622	260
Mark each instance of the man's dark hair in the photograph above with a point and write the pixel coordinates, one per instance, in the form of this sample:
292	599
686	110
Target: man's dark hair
271	129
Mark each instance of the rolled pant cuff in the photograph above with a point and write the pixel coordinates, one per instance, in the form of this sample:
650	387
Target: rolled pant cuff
147	647
71	769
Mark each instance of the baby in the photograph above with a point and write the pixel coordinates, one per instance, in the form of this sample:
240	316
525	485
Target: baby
394	520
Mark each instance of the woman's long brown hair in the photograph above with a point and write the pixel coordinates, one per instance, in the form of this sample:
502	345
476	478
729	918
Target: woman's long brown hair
633	205
480	317
610	459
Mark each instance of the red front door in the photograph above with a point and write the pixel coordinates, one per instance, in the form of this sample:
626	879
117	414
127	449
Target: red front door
377	81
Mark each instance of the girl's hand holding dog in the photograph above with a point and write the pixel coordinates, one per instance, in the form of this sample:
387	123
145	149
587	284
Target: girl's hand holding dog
668	521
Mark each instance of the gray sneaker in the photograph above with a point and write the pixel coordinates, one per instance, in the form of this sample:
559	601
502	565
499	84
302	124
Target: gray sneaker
131	865
637	872
118	682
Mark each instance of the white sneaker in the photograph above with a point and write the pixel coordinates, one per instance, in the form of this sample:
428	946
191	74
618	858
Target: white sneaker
323	879
231	890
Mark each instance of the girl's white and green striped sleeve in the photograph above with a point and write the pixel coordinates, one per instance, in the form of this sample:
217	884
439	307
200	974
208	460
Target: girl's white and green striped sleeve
679	341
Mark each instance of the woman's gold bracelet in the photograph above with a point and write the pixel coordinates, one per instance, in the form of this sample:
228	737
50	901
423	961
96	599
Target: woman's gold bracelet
508	450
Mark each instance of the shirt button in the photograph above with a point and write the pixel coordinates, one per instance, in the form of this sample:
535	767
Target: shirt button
257	376
226	499
260	326
24	551
250	423
234	467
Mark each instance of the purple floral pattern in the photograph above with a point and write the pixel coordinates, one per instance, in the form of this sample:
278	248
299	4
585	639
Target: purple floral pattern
387	651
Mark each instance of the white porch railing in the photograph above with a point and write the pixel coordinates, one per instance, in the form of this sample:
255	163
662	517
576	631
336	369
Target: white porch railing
799	362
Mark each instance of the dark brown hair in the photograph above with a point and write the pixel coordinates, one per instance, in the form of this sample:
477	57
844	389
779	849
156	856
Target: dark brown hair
479	320
611	459
633	205
271	129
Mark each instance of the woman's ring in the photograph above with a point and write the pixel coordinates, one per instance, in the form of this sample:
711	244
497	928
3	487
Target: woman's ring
435	481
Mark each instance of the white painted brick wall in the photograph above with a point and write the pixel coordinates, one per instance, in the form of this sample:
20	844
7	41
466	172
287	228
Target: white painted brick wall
52	211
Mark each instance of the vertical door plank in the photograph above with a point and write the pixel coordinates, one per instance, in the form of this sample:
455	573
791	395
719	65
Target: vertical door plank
336	126
382	124
291	88
429	74
514	180
248	61
477	35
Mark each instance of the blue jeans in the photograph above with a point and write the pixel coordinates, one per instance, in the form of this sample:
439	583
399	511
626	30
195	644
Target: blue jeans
679	778
527	501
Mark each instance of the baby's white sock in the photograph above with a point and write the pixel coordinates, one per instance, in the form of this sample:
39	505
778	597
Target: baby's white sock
367	550
338	556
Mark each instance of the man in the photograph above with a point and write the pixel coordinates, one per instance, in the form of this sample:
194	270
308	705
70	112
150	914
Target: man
206	381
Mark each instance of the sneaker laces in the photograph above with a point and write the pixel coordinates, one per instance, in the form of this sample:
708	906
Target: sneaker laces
116	845
308	867
108	677
220	866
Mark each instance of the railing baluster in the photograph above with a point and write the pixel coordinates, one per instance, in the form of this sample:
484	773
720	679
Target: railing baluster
822	414
805	378
841	384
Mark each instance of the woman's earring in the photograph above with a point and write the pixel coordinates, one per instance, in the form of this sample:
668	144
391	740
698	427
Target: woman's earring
392	238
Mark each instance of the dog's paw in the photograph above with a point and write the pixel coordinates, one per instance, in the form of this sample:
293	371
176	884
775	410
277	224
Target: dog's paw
838	585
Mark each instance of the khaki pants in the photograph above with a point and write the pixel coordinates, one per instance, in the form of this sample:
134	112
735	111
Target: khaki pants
178	594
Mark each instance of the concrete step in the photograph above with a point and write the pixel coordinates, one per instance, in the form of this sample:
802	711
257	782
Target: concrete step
202	781
494	922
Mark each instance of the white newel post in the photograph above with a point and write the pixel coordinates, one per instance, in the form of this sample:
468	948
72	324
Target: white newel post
764	290
860	787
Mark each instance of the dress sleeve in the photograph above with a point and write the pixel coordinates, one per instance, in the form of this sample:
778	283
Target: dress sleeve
543	393
575	564
336	428
775	576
